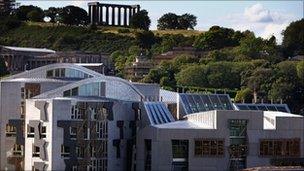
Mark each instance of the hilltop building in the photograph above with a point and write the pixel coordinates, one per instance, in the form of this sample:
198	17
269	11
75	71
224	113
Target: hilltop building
138	69
18	59
67	117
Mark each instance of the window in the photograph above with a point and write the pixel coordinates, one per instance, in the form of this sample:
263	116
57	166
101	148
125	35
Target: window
80	152
65	151
102	129
74	168
31	132
10	131
93	151
22	110
209	147
36	151
280	147
43	132
75	113
73	132
49	73
18	150
180	148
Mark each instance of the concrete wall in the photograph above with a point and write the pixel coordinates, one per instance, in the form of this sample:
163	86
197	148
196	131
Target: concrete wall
162	150
10	109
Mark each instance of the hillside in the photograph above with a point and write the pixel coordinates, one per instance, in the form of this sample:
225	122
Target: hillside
60	37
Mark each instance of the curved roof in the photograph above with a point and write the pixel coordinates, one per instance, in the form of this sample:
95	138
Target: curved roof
97	77
39	72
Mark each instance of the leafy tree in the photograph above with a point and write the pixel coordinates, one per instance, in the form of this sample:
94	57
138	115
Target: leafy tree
300	72
187	21
8	24
293	38
140	20
173	21
168	21
23	13
260	81
281	90
251	46
244	95
194	75
72	15
53	13
35	15
216	38
7	8
145	39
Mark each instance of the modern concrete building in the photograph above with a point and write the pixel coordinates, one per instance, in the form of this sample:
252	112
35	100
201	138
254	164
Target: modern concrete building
67	117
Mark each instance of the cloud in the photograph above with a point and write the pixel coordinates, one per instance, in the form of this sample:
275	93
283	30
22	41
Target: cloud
82	4
257	13
261	21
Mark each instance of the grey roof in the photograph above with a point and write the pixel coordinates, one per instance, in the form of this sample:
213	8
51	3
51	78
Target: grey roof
26	49
116	86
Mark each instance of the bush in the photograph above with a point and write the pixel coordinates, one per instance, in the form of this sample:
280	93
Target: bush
123	31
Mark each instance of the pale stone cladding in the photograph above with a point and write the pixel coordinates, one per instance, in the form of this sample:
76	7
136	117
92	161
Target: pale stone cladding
162	135
11	106
120	123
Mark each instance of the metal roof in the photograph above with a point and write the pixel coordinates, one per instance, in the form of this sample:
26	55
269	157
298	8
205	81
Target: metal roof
26	49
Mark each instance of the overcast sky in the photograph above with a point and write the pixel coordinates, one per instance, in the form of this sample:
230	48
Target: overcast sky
265	18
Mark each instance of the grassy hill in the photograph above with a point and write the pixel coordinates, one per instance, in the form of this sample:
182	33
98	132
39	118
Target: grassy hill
62	37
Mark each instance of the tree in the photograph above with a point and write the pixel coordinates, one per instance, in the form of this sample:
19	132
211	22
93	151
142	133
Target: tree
187	21
72	15
145	39
53	13
259	82
216	38
251	46
168	21
194	75
293	38
300	72
244	95
7	6
140	20
173	21
35	15
22	13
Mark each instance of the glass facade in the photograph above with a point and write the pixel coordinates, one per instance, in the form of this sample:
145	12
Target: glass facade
158	112
280	147
91	89
66	73
194	103
238	143
208	147
263	107
180	155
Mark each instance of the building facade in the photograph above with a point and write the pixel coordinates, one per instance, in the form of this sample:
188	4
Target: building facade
18	59
67	117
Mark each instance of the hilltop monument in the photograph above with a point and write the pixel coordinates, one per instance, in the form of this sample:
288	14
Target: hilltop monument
111	14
